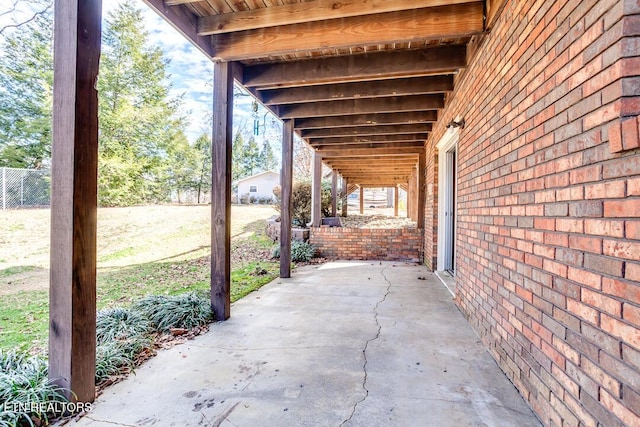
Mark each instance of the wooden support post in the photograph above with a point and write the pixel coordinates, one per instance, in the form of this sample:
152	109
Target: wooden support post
74	200
396	199
316	191
334	194
422	164
345	197
414	203
361	200
223	77
409	198
286	183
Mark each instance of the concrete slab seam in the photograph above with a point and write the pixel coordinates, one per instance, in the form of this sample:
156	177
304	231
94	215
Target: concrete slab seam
366	345
108	422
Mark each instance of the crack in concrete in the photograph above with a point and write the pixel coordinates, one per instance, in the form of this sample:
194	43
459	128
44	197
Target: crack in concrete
225	416
109	422
366	346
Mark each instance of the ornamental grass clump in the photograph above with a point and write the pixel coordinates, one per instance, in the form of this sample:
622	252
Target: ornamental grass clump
121	335
300	251
179	311
27	397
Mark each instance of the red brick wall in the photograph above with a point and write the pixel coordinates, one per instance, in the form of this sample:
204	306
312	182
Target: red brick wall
400	244
548	243
431	209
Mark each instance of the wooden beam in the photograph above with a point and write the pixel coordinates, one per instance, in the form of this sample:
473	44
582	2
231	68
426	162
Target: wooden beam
361	199
74	200
316	190
368	66
223	74
359	177
286	180
334	193
373	146
371	165
366	120
388	28
178	2
396	200
493	9
359	90
405	157
359	150
298	13
366	139
411	198
366	130
184	22
345	196
350	171
363	106
377	184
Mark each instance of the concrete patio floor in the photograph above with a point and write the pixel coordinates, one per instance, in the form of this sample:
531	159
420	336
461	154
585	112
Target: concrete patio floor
341	344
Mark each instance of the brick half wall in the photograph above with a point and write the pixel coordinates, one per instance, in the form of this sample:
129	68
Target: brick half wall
399	244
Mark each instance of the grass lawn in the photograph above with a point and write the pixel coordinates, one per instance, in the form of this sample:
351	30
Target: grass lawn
141	250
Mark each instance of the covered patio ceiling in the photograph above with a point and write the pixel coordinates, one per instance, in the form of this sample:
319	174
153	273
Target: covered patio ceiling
362	80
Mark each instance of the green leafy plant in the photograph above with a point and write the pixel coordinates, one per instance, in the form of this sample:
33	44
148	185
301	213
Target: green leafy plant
24	385
301	201
121	335
120	323
300	251
180	311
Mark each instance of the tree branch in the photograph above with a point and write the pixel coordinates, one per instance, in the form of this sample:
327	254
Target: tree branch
19	24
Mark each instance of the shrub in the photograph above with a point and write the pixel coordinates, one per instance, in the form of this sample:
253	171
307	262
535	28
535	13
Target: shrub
24	382
121	336
301	201
179	311
300	251
120	323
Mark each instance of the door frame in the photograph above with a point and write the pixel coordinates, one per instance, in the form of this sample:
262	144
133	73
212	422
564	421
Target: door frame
447	144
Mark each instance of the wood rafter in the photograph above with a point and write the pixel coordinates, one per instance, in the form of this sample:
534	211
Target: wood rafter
394	27
178	2
362	151
366	130
298	13
369	66
400	146
366	120
369	139
184	22
359	90
362	106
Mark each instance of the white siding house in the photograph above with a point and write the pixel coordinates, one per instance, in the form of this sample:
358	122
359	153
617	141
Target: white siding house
258	188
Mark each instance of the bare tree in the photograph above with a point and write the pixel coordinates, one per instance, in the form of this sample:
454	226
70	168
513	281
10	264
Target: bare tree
302	160
15	17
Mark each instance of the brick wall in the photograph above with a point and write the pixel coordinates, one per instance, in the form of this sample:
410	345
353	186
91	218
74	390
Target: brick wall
548	241
399	244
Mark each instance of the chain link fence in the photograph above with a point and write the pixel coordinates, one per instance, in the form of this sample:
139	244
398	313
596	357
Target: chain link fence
24	188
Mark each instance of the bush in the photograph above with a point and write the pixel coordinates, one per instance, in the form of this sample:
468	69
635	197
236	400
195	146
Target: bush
121	336
300	251
24	382
301	201
179	311
120	323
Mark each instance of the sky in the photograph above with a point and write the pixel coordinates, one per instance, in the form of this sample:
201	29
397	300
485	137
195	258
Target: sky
191	74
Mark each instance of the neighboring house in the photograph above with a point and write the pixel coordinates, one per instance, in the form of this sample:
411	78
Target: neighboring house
258	188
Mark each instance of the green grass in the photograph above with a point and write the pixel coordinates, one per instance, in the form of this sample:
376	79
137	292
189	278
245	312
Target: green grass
6	272
251	277
24	321
24	315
